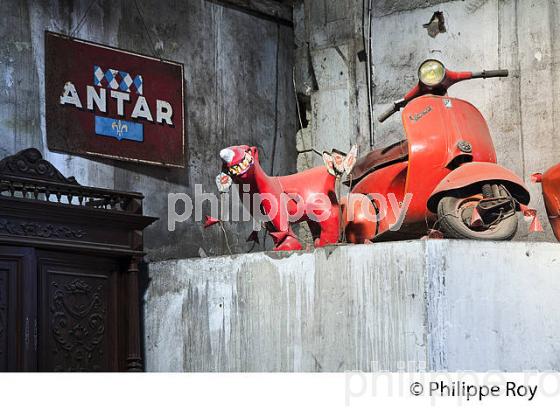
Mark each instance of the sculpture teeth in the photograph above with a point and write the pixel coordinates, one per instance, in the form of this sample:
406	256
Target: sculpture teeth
242	166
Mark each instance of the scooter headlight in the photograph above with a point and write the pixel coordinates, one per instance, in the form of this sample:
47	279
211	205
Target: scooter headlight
431	73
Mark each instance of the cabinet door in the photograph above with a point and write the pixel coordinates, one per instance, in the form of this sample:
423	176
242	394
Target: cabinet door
17	309
77	312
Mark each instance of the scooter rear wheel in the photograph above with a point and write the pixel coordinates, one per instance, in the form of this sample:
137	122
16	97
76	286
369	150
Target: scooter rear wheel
454	216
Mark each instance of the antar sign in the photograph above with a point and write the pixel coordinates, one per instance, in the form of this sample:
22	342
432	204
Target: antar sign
113	103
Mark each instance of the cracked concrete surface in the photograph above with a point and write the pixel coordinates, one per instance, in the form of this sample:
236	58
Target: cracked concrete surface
391	306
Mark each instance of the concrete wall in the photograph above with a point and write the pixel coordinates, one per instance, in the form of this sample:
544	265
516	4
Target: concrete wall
493	306
238	81
435	305
521	35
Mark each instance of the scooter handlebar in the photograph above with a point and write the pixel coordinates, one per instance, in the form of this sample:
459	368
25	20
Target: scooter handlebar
490	74
395	106
390	111
454	76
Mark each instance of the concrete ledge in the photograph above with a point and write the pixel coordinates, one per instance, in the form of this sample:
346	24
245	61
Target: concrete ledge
418	305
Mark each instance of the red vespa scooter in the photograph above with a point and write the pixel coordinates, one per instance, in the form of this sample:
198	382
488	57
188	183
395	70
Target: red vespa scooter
448	165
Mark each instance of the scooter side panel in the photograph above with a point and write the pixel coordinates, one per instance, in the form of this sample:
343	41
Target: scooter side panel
434	126
551	194
380	185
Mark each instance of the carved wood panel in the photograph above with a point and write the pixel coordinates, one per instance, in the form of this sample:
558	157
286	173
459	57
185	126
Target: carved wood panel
78	313
16	273
30	163
9	272
4	292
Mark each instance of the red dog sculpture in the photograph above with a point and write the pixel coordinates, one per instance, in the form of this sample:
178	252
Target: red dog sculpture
550	181
282	198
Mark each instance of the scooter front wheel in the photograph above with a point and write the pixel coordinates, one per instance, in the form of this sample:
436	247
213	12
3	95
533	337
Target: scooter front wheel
458	218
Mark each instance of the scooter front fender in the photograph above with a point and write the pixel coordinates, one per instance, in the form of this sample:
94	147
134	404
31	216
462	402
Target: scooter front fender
478	173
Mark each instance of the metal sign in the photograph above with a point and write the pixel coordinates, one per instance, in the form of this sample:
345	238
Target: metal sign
113	103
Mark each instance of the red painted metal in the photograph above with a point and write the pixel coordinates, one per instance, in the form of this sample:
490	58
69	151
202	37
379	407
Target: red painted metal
476	173
449	147
242	164
451	77
530	214
73	129
385	181
360	226
433	144
550	181
536	225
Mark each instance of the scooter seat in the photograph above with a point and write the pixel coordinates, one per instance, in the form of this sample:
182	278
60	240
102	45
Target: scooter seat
377	159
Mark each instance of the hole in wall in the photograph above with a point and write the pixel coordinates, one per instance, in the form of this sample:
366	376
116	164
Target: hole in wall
304	105
362	56
436	25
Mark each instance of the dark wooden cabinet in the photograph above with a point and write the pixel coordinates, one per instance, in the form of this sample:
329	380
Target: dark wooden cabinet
69	298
